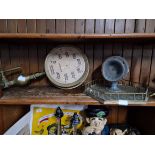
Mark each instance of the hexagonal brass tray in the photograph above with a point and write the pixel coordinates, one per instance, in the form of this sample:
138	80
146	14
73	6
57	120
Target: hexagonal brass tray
101	91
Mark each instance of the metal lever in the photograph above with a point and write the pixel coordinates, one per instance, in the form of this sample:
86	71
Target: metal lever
4	83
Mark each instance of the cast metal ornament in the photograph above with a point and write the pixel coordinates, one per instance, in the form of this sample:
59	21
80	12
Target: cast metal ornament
59	114
97	122
74	122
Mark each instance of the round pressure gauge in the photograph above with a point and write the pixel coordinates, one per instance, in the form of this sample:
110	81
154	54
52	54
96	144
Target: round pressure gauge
66	67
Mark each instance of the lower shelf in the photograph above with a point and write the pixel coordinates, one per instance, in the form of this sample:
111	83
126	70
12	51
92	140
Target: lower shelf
48	95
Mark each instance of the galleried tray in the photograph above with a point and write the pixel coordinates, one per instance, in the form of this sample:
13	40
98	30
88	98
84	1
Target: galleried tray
100	91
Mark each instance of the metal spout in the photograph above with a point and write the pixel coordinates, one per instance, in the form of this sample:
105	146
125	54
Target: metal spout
23	80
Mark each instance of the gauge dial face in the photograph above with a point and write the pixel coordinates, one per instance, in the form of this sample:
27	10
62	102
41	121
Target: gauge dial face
66	67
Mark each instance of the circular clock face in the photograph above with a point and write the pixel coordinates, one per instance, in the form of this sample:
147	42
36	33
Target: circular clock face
66	67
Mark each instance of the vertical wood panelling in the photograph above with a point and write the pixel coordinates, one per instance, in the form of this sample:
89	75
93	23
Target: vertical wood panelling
137	53
140	26
33	55
109	28
41	28
119	25
31	26
23	51
127	48
89	51
89	27
80	24
21	26
14	49
98	51
5	57
4	51
14	54
99	26
152	74
79	29
147	54
119	28
130	26
50	28
50	25
12	25
60	26
70	26
3	25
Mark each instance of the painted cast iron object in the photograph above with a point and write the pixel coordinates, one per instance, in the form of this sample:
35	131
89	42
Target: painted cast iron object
97	121
59	114
74	122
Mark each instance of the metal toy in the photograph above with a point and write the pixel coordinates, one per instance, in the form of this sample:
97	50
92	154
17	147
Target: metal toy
59	114
74	122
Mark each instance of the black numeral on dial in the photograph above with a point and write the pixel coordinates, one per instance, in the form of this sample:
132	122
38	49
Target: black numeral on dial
59	56
79	61
58	75
78	70
53	62
73	75
74	56
66	76
52	69
67	55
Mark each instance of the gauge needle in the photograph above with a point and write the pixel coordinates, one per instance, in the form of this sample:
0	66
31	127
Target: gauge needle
60	67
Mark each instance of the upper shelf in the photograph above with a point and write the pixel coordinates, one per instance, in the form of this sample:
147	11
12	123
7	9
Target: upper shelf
77	37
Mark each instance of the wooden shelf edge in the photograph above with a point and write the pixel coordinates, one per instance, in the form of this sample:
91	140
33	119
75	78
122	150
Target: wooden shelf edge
69	100
48	95
76	36
53	100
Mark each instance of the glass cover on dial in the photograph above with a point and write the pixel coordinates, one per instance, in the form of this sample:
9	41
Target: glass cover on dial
66	66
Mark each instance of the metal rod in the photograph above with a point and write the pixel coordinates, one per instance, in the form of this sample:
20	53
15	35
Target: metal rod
59	126
12	69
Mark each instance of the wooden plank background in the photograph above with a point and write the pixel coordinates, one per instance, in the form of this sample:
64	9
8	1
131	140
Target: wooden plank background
141	57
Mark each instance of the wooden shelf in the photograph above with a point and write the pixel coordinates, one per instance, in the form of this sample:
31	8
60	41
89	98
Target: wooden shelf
47	36
42	95
49	95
